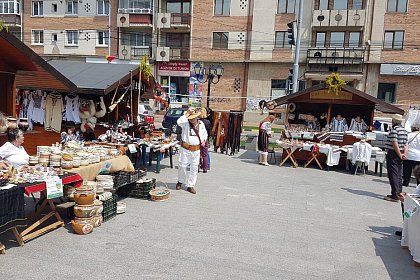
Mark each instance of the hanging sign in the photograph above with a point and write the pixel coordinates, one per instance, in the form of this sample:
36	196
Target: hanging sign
323	94
54	187
105	168
174	68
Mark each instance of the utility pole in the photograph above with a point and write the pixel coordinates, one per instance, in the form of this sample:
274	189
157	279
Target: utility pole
297	49
109	27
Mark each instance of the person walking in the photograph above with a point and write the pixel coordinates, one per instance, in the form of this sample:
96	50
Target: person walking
193	138
397	152
263	137
413	155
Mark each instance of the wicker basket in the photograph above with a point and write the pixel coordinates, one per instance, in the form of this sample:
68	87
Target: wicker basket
159	194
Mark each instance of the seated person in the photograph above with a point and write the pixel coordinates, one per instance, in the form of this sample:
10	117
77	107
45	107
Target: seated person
13	151
70	135
89	135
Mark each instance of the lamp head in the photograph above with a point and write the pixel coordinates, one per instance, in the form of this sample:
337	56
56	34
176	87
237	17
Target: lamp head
219	70
197	69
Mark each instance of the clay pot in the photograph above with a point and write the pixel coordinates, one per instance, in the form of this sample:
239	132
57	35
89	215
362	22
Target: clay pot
66	164
82	226
11	122
98	207
84	211
55	157
3	129
23	124
83	197
97	220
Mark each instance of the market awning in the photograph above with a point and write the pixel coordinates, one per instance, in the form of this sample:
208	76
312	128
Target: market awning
96	78
305	94
32	72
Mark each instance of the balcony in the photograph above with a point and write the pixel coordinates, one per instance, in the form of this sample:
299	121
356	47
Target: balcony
335	56
134	52
135	20
339	18
148	11
11	19
175	21
179	53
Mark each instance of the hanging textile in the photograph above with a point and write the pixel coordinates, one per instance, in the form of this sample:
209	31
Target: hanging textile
71	113
12	208
227	129
36	108
53	112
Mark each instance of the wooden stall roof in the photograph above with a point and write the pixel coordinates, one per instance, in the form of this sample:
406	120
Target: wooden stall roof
32	72
96	78
358	98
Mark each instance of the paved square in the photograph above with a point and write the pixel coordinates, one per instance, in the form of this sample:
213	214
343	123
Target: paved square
246	222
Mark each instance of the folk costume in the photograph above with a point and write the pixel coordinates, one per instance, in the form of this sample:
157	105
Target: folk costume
192	138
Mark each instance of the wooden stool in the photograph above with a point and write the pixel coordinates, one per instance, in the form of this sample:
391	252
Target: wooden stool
272	153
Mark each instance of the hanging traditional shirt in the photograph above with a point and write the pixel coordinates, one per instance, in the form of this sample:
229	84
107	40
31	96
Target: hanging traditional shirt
53	112
359	126
36	108
71	114
338	125
362	152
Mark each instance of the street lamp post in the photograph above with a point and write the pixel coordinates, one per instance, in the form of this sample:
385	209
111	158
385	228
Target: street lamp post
213	72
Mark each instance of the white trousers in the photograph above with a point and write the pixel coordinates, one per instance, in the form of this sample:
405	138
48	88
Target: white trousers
191	159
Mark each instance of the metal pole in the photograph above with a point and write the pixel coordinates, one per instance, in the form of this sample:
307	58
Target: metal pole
297	49
109	28
208	91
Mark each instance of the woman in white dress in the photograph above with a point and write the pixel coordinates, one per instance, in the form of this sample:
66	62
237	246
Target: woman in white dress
13	151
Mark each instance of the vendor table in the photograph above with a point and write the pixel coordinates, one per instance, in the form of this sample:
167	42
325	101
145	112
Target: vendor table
120	163
159	149
411	229
31	232
289	149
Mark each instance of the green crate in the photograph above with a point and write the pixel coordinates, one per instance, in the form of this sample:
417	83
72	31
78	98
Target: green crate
110	208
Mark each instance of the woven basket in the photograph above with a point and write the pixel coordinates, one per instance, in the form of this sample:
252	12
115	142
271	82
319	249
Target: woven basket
159	194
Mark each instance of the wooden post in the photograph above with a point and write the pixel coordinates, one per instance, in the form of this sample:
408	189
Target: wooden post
372	118
286	120
329	114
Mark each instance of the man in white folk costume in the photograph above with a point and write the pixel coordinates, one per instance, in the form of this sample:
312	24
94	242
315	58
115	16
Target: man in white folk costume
194	135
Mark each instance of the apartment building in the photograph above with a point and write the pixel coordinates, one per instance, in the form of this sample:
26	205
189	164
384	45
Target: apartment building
373	44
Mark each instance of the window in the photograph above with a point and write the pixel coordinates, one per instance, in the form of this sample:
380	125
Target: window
394	40
337	39
354	39
37	37
102	38
278	88
357	4
7	7
323	5
282	41
71	8
103	7
286	6
54	37
220	40
386	92
340	5
320	39
222	7
54	8
37	8
397	6
136	39
72	37
178	40
135	4
181	7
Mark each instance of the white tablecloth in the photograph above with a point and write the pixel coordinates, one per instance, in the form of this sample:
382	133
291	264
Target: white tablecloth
411	229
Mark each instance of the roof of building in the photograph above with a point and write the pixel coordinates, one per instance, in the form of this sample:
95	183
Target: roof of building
32	72
95	78
379	104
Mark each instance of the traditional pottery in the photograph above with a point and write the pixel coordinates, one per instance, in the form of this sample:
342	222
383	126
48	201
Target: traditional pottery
82	226
84	197
84	211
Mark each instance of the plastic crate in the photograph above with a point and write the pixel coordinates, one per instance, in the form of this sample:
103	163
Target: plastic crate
110	208
141	190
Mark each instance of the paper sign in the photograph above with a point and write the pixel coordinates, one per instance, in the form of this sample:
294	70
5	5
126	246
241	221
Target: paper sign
132	148
54	187
105	168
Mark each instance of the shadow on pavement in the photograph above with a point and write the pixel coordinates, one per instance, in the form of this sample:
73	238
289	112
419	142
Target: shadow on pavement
397	261
363	193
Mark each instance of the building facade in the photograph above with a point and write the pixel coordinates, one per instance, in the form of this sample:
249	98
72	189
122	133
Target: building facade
373	44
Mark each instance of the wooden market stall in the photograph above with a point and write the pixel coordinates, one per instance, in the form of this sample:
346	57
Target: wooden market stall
317	104
20	67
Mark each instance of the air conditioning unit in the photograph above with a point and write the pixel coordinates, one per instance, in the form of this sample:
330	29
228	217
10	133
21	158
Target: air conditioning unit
162	54
123	20
124	52
164	20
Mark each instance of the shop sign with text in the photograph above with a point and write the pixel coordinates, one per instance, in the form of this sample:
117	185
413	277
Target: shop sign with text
174	68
